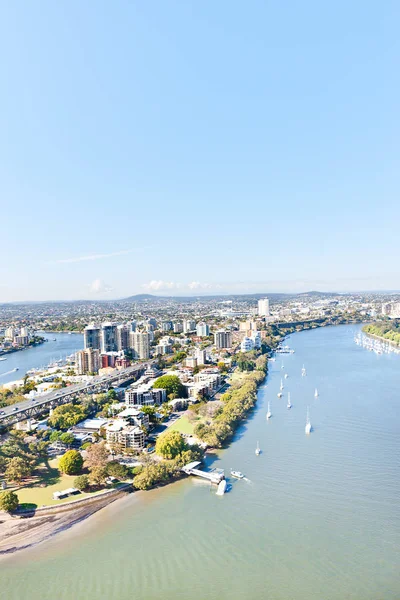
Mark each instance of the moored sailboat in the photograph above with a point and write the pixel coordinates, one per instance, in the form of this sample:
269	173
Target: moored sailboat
269	413
308	427
289	404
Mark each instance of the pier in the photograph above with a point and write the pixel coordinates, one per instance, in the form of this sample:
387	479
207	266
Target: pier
215	476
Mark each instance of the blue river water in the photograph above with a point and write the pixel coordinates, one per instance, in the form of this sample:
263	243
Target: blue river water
316	518
59	345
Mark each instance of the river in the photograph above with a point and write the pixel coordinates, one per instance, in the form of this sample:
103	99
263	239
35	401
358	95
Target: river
59	346
317	517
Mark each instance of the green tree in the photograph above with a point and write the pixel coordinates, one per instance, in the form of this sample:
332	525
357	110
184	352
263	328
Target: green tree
3	464
81	482
67	438
172	385
98	475
66	416
9	501
115	469
55	436
17	469
71	463
170	444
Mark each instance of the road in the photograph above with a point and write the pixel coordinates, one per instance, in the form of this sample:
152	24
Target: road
59	396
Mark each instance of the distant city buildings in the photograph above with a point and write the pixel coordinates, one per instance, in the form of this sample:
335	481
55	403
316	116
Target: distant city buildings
222	339
108	338
91	337
189	326
87	361
122	337
263	307
391	309
140	344
202	329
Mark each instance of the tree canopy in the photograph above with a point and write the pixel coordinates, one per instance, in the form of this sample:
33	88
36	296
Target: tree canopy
172	385
66	416
71	463
9	501
170	444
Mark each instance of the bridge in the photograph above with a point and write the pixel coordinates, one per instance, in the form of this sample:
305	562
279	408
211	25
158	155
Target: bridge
28	409
212	476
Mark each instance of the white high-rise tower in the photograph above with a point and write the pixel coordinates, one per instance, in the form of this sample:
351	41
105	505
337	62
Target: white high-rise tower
263	307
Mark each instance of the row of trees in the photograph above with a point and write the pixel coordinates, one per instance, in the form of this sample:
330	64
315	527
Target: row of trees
96	464
18	458
176	452
389	330
237	402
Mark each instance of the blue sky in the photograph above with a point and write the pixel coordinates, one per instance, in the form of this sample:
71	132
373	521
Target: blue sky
202	147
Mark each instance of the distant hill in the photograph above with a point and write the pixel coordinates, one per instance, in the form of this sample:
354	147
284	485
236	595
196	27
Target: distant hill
273	297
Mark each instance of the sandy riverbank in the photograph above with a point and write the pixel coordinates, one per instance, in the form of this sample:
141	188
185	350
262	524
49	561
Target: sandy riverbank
19	532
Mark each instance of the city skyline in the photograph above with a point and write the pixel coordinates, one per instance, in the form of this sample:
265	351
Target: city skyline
198	149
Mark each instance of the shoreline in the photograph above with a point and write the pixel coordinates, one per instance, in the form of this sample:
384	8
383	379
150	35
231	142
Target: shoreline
25	530
42	527
28	347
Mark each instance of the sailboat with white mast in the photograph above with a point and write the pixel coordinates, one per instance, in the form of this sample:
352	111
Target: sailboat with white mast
281	388
316	393
308	427
258	449
289	404
303	371
269	413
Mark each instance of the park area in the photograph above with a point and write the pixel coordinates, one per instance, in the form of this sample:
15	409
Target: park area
38	490
183	425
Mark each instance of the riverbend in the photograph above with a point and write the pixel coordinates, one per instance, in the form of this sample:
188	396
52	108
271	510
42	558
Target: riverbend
315	517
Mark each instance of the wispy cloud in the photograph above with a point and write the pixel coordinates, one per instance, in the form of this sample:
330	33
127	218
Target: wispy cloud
94	256
98	286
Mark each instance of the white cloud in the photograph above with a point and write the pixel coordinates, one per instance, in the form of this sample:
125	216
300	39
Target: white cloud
160	285
94	256
98	286
197	285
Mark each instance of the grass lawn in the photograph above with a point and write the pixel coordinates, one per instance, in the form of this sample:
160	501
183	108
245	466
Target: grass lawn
46	480
182	425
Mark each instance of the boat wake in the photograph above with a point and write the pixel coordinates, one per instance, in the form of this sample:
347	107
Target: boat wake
7	373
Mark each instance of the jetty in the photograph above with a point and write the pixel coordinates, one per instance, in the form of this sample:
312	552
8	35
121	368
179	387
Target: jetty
215	476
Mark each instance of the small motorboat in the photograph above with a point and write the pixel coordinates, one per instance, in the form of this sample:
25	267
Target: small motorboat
237	474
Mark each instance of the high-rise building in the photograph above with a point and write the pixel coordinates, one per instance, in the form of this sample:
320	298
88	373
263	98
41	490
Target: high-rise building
91	337
189	326
256	338
201	356
222	339
108	338
246	345
122	337
9	333
88	361
178	327
263	307
202	329
140	344
24	332
166	326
